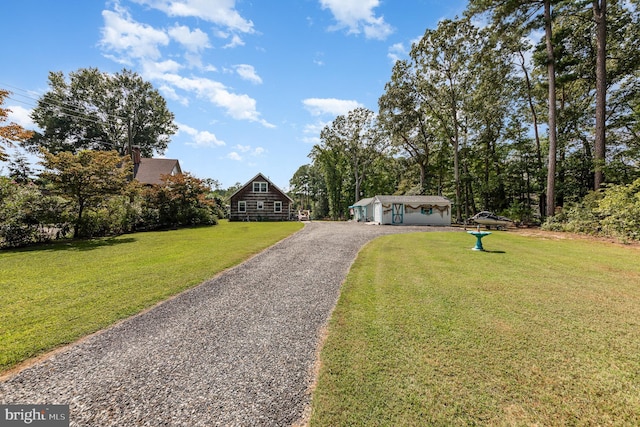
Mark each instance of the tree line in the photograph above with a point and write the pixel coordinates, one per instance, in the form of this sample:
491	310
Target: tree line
86	188
524	115
91	194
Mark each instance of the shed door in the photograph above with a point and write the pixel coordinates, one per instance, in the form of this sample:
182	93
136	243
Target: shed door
397	213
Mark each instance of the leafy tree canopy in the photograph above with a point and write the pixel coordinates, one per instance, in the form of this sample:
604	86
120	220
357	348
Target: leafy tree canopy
87	179
93	110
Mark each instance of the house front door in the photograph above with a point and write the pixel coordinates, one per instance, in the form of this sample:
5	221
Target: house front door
397	213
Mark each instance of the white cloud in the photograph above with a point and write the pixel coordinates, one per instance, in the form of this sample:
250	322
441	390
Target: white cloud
122	34
248	150
336	107
312	132
313	140
200	138
170	93
137	44
234	156
315	128
207	139
378	29
396	52
358	17
194	60
247	72
118	59
219	12
157	68
240	107
135	41
21	116
235	41
193	41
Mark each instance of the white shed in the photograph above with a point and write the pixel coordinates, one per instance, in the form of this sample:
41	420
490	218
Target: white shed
362	210
412	210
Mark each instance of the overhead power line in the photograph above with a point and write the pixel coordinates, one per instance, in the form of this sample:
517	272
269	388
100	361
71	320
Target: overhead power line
60	112
63	107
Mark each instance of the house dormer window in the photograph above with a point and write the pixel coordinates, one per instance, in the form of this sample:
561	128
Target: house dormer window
260	187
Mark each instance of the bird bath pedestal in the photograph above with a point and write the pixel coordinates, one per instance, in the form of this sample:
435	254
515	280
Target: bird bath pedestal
479	235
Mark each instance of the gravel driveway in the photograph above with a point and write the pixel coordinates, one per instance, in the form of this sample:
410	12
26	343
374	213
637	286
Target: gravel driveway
237	350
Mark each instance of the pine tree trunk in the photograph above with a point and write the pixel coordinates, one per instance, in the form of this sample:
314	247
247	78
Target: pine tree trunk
600	16
551	173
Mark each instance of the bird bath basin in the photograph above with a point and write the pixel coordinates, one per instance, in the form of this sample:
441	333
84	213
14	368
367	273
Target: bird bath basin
479	235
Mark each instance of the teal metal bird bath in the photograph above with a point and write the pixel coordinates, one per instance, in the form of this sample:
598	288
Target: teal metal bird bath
479	235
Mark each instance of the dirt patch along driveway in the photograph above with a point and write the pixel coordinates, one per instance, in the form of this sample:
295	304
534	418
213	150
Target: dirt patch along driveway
237	350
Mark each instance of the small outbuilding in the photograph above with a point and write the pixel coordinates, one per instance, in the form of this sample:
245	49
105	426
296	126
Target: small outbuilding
412	210
260	200
362	210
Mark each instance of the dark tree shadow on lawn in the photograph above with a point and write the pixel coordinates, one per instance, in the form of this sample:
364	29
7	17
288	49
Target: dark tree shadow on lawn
75	245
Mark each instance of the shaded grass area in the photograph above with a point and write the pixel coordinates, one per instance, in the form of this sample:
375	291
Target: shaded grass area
54	294
539	332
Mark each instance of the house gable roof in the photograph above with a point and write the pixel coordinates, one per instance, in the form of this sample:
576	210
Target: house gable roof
265	179
150	171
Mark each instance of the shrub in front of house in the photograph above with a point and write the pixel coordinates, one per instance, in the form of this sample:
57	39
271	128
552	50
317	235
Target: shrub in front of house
180	201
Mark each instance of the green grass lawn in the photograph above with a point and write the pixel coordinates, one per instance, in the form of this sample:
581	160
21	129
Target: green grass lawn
535	332
54	294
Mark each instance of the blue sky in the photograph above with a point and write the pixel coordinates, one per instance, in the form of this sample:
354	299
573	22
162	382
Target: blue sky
251	83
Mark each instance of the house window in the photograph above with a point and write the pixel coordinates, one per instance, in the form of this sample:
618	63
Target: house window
277	207
260	187
260	206
242	206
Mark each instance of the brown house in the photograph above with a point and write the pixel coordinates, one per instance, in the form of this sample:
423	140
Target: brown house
150	171
260	200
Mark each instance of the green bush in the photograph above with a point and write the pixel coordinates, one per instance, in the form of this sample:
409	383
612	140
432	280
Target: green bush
613	211
180	201
620	211
27	215
118	215
520	212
